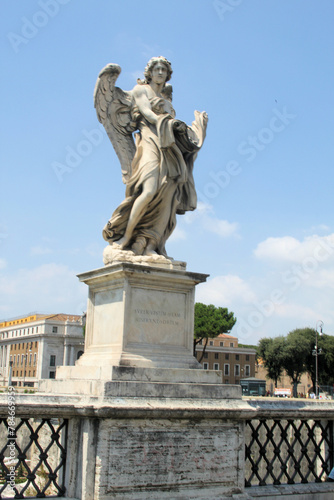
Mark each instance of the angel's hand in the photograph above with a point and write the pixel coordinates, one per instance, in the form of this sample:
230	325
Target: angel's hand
179	126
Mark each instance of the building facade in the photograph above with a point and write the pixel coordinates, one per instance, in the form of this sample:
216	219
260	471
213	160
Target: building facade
223	353
32	346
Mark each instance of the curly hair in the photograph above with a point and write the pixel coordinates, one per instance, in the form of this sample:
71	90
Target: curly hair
150	65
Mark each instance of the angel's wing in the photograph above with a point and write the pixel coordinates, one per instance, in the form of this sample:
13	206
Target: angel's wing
113	109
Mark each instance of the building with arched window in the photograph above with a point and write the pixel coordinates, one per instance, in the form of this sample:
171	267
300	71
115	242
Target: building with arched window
33	346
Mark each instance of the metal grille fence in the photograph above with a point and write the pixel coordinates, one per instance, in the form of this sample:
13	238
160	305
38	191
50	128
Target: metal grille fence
32	461
287	451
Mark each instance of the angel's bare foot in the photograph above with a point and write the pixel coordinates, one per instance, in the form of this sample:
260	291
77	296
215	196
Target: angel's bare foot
123	242
150	249
150	252
139	245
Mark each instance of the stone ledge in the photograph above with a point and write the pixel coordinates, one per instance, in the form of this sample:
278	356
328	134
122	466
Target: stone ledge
119	268
140	374
309	491
138	389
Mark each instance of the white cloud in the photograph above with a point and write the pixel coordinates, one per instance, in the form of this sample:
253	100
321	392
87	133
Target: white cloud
46	288
288	249
178	234
225	291
223	228
267	307
38	250
205	216
276	248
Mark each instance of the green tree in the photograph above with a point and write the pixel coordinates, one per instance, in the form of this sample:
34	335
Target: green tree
209	322
296	351
271	350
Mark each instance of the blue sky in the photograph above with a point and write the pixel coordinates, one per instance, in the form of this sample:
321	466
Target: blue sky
264	228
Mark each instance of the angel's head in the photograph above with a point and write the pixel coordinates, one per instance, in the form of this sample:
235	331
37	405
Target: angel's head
150	65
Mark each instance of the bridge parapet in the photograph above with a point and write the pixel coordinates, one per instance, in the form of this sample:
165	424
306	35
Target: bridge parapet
144	448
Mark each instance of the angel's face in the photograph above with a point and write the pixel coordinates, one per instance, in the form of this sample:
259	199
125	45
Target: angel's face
159	73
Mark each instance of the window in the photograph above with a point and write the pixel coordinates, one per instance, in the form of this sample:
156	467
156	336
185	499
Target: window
52	360
35	355
247	370
52	374
36	329
21	374
247	357
32	330
237	370
221	344
36	344
227	356
237	357
22	357
30	359
211	342
205	355
216	355
226	369
231	344
227	381
54	330
14	359
216	366
206	366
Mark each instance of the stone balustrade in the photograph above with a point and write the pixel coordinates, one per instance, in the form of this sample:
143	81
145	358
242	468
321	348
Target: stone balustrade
149	448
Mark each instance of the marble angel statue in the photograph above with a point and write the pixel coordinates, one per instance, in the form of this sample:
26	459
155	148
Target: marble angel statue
157	164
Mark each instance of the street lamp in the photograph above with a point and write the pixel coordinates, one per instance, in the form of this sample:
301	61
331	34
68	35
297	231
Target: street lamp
316	353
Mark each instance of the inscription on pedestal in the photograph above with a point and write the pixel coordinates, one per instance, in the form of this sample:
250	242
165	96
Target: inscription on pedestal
157	317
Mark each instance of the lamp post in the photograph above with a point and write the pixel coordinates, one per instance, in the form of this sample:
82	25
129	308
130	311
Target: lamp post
316	353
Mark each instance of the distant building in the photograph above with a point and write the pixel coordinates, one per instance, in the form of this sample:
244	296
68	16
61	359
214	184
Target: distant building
34	345
223	353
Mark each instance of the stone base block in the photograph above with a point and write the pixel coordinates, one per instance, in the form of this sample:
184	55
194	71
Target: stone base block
180	459
122	381
134	374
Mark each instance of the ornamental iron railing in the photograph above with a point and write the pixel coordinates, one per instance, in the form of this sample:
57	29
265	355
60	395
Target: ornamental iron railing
287	451
32	461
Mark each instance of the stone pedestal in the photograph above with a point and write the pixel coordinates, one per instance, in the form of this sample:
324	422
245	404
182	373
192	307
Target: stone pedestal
140	316
139	338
